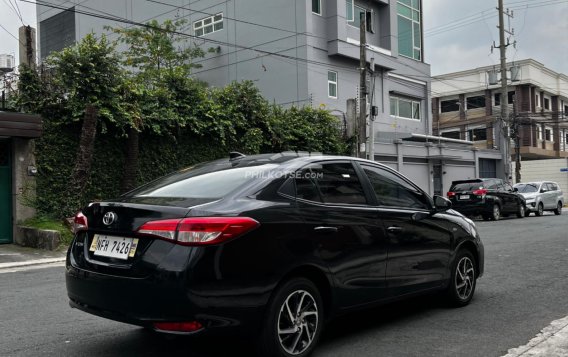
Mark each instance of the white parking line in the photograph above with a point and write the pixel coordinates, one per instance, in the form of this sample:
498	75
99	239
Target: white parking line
552	341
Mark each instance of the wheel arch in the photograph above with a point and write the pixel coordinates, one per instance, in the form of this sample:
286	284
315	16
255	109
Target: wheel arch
470	247
317	276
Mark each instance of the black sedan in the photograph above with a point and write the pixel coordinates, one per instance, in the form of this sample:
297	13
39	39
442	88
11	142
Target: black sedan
270	246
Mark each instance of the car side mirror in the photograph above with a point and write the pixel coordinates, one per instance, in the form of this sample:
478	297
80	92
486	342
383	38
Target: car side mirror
543	190
515	189
442	203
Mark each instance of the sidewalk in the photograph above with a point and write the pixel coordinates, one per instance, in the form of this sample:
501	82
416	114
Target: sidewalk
12	255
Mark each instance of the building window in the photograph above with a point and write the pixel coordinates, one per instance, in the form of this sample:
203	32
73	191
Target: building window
546	103
451	134
449	106
409	29
478	134
510	98
476	102
539	132
208	25
548	134
316	7
354	16
566	110
405	108
332	84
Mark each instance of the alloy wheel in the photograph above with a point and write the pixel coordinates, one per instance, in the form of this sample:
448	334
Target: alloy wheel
496	213
521	212
558	210
465	278
297	322
540	210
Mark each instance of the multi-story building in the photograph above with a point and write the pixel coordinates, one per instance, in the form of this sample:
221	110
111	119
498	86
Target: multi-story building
298	52
7	61
467	106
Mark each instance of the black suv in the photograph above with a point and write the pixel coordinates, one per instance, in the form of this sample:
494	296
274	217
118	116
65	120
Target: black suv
268	245
489	197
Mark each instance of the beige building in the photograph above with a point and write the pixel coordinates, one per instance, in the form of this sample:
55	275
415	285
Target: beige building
467	106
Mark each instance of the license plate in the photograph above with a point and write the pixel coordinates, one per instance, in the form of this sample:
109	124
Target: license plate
114	247
464	197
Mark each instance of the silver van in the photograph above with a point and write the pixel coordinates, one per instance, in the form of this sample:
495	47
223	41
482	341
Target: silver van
541	196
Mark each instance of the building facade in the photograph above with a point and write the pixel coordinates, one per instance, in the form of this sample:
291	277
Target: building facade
301	52
7	61
467	106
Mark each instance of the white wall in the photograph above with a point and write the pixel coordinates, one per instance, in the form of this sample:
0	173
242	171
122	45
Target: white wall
545	170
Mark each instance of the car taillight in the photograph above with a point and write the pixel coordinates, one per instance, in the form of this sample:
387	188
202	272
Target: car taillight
80	223
480	192
451	194
199	230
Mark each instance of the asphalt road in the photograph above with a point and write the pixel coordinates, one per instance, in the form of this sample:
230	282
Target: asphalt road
524	288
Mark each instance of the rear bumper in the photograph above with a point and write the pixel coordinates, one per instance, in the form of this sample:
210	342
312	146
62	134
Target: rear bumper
165	296
473	209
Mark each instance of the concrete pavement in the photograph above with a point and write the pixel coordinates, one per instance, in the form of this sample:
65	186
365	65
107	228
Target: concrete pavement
12	256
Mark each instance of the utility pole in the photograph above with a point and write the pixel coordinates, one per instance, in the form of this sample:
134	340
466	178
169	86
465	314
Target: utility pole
362	132
501	132
517	137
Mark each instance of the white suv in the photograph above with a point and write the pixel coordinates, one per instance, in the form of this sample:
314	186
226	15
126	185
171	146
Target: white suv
541	196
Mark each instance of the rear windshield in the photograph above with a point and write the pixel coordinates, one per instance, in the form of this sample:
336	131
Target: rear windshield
527	187
203	181
467	186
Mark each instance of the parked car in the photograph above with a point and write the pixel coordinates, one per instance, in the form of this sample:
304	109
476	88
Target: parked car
489	197
268	245
541	196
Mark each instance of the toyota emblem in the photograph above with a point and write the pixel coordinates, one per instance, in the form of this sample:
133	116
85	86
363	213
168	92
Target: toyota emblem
109	218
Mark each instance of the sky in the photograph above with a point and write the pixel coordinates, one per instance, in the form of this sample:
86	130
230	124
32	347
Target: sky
458	33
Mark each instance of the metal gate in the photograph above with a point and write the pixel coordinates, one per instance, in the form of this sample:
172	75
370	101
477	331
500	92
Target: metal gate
5	193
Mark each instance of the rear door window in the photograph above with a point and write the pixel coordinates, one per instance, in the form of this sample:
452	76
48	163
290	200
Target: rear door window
334	182
392	190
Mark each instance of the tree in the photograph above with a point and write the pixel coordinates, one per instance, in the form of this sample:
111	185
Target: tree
90	74
161	94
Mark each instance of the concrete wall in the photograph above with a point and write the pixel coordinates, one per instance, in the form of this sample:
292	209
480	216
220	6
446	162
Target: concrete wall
545	170
23	182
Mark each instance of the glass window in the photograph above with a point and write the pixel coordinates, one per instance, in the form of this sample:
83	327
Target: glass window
451	134
476	102
316	7
409	29
546	103
449	106
526	188
548	134
349	8
392	190
208	25
334	183
332	84
202	182
405	108
478	134
357	11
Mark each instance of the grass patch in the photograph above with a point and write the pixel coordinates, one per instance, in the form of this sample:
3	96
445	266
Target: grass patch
50	224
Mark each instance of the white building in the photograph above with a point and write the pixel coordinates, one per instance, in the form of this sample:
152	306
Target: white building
7	61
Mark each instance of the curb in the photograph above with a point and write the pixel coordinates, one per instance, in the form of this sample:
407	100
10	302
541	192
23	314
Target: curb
31	262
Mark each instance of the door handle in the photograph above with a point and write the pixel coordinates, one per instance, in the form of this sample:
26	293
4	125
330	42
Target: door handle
323	229
394	229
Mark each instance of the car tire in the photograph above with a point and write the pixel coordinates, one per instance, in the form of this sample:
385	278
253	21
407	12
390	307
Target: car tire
521	210
558	210
495	213
539	210
463	279
287	331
